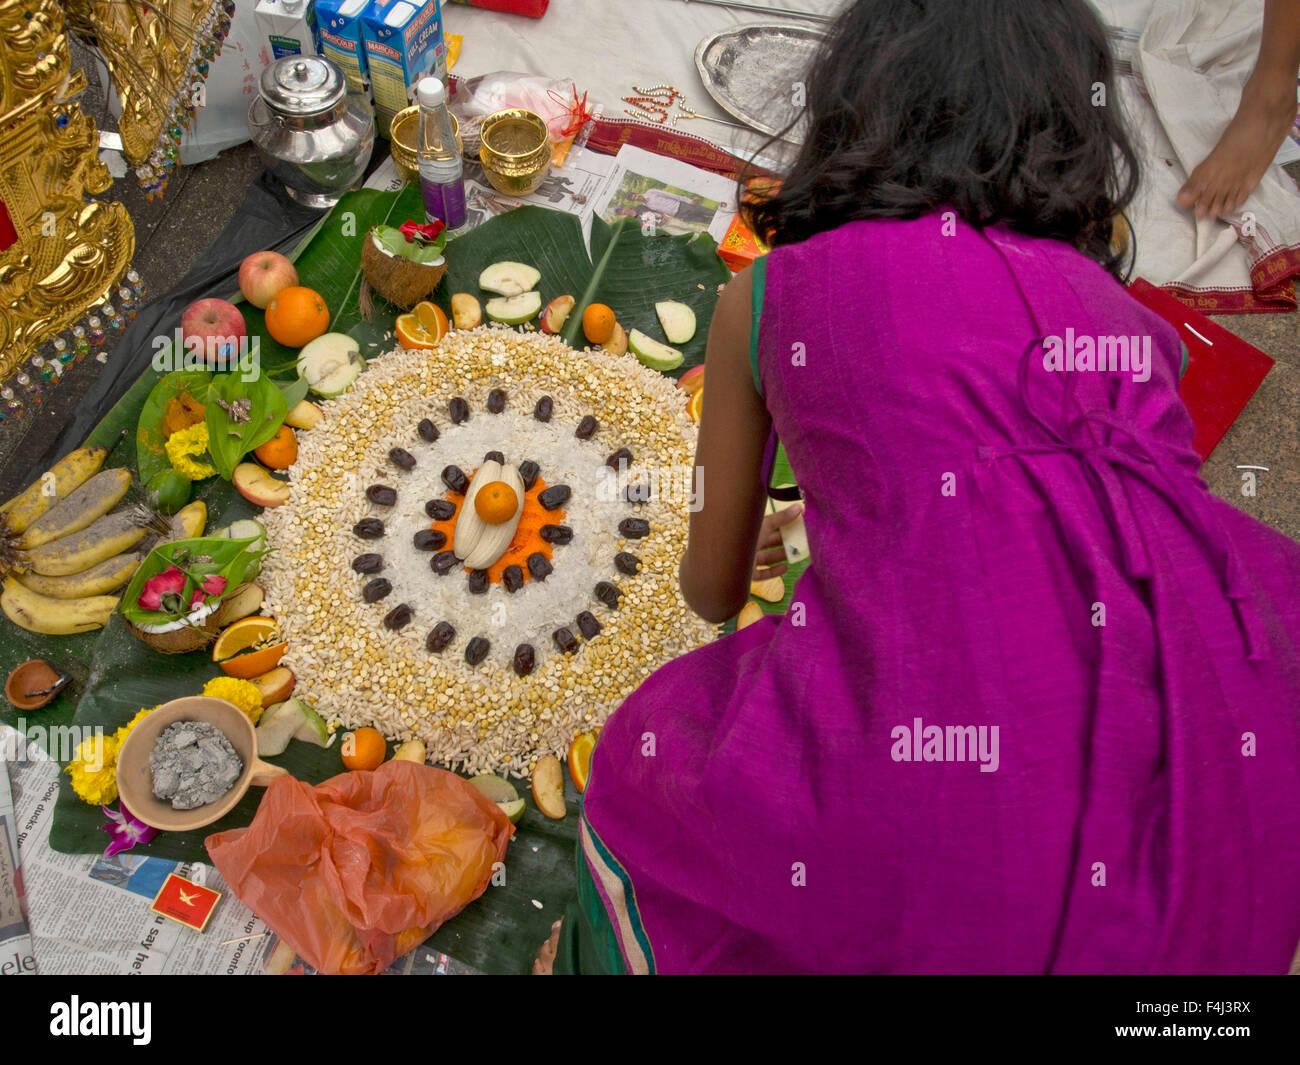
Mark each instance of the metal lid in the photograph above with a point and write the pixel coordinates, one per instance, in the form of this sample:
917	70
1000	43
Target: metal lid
302	85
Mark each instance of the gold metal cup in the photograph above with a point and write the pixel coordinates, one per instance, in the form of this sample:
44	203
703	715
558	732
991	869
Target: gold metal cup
404	136
515	151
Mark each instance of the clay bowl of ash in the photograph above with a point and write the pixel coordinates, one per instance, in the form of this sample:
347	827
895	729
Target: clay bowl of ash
135	776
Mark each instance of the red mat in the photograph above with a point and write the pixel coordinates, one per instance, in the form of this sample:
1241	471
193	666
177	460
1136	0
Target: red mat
1223	371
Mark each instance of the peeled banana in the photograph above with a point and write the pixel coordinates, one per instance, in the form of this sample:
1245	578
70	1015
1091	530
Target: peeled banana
479	544
62	479
83	506
105	577
55	617
110	535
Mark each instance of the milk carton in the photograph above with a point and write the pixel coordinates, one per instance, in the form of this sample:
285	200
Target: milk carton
403	42
339	24
288	27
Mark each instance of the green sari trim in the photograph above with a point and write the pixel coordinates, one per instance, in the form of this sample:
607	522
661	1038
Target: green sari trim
759	277
588	945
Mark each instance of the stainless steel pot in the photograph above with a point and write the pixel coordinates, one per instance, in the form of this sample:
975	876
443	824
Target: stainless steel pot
313	134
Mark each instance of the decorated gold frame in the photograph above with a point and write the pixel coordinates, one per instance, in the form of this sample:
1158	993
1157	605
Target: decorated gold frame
69	252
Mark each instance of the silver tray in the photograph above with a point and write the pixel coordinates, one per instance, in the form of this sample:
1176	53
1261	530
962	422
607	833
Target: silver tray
751	71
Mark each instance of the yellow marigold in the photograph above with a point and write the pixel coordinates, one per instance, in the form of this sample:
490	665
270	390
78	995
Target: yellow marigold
242	693
182	447
121	734
94	770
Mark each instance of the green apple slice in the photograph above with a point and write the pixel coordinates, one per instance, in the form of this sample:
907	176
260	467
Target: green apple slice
495	789
509	278
330	363
277	726
513	810
653	354
514	310
313	728
677	319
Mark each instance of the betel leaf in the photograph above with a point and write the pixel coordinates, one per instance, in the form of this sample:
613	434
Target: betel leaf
294	391
150	454
199	557
231	437
394	241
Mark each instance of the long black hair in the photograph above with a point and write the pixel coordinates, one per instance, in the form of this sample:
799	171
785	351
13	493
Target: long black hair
1003	111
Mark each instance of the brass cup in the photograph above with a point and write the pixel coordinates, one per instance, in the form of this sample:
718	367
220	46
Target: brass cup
404	136
515	151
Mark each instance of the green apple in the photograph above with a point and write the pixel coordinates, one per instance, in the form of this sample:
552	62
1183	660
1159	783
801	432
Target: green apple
653	354
514	310
677	319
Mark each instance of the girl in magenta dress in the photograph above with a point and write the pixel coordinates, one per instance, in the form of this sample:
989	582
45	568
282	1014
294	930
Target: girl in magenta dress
1035	706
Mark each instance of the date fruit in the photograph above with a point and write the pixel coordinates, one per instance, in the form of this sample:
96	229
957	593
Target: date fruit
381	495
439	636
429	540
369	563
368	529
376	590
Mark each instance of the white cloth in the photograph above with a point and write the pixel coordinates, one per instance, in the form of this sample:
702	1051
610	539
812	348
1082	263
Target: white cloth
1193	58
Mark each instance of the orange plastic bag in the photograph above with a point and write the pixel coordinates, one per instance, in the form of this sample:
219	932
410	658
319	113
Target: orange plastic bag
357	871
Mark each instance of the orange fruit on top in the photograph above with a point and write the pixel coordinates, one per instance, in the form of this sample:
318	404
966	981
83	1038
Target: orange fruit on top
297	315
580	758
280	452
496	502
695	406
249	647
364	749
598	323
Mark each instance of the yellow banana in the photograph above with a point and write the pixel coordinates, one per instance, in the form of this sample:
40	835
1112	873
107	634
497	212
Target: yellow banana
105	577
84	505
110	535
54	617
64	477
188	522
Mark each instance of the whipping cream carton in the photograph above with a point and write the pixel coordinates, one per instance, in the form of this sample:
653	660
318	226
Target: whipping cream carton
288	27
403	42
339	24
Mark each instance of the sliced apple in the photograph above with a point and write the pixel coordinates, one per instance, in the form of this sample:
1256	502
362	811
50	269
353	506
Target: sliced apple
256	485
313	728
465	311
509	278
304	416
557	313
617	342
330	363
501	792
241	603
275	686
677	319
692	380
653	354
750	613
410	751
514	310
771	590
548	787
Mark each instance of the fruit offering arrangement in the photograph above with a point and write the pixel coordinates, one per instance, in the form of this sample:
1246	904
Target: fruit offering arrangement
480	546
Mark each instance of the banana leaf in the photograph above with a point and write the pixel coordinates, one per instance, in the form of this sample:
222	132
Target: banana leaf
115	674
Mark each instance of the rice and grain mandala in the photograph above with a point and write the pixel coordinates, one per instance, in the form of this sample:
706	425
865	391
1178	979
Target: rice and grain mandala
483	718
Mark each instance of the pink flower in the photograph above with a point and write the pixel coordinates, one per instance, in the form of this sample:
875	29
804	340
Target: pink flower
126	829
169	581
423	234
212	585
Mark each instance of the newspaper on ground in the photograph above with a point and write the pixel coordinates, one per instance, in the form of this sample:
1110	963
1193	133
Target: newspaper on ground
87	914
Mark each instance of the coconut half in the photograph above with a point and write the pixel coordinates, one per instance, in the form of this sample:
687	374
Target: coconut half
402	282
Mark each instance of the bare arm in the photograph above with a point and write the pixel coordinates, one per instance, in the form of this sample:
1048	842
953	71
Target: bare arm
719	560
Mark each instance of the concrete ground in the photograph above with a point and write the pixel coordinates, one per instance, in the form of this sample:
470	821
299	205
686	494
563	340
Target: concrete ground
171	234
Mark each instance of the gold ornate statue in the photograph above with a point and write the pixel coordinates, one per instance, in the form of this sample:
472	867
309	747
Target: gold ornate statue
64	253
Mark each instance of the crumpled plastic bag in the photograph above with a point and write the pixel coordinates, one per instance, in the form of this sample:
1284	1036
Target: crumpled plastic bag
555	100
357	871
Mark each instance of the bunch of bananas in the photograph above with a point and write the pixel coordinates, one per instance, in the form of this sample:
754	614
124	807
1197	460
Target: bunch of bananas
63	547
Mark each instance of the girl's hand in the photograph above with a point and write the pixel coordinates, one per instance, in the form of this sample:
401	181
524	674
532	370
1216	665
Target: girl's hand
770	560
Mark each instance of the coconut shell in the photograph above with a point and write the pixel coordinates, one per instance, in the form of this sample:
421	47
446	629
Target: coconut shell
402	282
179	641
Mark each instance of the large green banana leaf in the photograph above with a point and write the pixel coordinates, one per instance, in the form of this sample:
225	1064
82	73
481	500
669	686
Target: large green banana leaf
115	675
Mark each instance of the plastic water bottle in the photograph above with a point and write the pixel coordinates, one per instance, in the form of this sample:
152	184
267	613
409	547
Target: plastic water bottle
441	176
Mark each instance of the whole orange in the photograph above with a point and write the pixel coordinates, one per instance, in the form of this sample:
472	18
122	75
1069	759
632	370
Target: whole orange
280	452
496	502
364	749
598	323
297	315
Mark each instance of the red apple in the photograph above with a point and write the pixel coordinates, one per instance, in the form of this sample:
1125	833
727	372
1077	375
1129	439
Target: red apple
275	686
256	485
215	328
263	274
556	313
692	380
